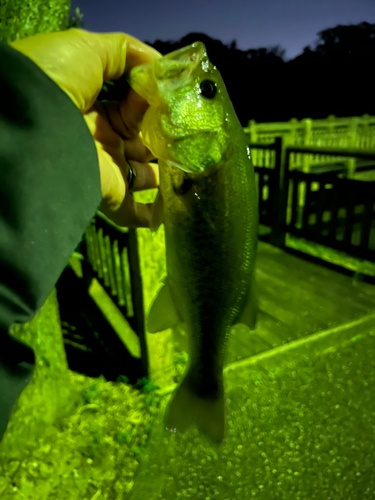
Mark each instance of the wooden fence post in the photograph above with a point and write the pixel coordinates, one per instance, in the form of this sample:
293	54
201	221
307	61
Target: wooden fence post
352	142
275	186
306	159
253	137
137	294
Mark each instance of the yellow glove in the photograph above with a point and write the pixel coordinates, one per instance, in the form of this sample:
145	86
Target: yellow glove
79	61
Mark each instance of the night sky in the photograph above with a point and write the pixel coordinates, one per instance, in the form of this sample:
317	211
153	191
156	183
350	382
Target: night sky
292	24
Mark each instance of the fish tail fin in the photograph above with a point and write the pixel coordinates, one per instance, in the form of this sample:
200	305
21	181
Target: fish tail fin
187	408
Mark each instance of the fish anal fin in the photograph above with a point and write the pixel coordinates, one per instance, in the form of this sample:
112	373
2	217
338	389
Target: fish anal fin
163	313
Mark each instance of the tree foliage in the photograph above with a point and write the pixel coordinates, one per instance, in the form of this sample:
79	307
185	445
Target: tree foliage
19	19
76	20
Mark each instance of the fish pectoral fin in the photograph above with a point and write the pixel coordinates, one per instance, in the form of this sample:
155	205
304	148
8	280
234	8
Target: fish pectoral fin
249	314
157	213
163	313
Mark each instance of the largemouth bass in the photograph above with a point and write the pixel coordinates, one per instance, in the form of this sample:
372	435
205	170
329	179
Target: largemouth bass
208	203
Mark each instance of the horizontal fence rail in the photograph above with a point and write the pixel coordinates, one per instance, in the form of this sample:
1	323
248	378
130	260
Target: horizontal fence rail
325	206
347	132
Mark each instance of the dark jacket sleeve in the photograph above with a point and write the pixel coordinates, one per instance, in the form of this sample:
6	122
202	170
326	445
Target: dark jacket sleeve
49	191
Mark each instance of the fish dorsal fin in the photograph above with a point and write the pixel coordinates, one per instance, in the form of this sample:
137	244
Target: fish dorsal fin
163	313
249	314
157	214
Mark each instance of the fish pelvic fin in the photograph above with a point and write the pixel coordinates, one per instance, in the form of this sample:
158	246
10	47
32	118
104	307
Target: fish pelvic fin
163	313
187	409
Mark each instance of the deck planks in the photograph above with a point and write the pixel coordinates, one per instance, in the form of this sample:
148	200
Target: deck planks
298	298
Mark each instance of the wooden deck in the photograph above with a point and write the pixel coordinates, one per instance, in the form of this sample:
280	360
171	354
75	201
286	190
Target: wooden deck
298	298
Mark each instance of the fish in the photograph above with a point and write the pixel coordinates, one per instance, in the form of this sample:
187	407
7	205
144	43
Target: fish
208	203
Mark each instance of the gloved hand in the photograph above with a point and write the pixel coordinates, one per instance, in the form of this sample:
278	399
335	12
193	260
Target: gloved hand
79	61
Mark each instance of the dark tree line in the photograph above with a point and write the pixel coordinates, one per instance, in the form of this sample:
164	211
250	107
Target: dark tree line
332	77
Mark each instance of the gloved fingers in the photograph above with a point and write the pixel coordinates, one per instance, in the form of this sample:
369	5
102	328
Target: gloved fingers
146	176
125	119
120	52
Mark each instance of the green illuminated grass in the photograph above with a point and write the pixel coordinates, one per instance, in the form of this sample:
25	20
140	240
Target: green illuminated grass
93	452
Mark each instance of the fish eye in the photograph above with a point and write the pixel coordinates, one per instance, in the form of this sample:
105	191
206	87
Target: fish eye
208	89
